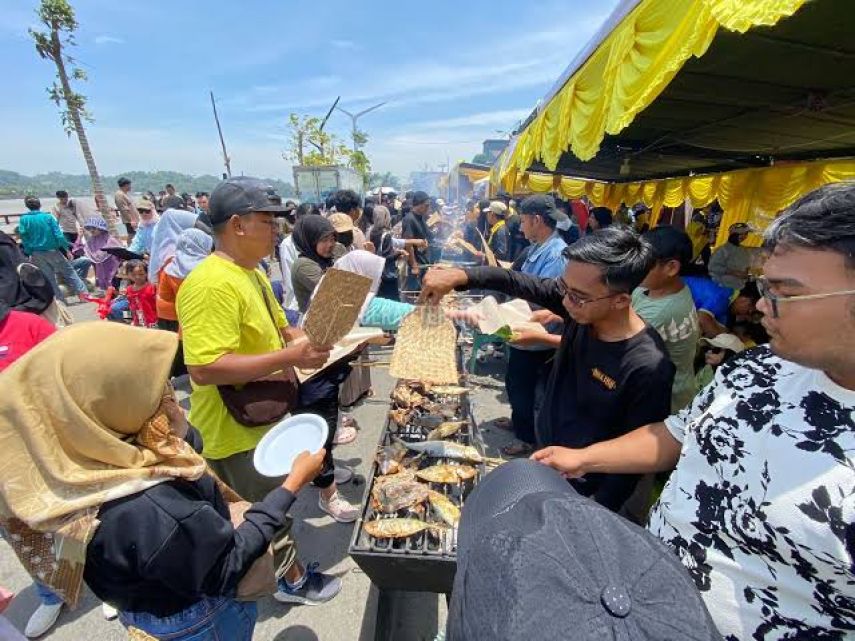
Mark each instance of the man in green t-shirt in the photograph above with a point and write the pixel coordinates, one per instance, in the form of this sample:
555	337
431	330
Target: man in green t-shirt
665	302
234	332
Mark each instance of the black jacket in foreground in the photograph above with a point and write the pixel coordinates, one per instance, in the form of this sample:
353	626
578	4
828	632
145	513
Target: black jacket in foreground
165	548
596	390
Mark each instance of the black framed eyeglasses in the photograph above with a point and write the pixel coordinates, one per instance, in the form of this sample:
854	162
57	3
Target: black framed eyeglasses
774	299
574	298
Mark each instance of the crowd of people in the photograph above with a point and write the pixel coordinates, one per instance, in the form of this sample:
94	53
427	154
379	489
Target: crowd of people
674	385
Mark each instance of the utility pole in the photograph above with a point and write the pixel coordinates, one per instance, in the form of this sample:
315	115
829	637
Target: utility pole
226	158
355	117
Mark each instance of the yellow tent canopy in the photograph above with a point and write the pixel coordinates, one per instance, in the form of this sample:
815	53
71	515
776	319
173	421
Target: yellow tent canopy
746	195
676	89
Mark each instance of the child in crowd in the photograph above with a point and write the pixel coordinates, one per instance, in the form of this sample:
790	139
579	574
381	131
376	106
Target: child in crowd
96	237
717	351
141	295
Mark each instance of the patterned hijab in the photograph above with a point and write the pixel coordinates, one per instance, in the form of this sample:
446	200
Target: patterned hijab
78	432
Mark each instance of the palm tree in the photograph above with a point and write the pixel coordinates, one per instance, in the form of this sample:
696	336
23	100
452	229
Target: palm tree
58	17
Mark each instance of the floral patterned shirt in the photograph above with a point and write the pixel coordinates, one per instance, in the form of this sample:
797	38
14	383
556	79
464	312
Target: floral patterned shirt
761	507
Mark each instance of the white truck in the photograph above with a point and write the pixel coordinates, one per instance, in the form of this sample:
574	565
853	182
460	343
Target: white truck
315	184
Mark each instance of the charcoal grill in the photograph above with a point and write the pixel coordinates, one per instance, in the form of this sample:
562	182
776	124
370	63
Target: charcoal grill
425	562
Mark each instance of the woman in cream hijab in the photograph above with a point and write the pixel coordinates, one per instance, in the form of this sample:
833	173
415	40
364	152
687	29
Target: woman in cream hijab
99	484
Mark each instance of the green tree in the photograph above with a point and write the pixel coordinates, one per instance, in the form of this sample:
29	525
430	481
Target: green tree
482	159
309	145
387	179
58	18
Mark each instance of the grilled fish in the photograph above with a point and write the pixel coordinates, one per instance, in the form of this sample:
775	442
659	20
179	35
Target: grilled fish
447	449
400	416
445	509
389	458
444	430
446	473
406	397
390	497
397	528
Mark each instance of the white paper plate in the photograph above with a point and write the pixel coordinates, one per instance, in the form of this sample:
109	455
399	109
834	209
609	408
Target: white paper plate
275	453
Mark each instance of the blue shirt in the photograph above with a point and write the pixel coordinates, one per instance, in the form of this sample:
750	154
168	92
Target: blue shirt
545	260
40	232
141	244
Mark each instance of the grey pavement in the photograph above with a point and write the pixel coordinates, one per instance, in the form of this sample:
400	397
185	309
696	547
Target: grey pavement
351	616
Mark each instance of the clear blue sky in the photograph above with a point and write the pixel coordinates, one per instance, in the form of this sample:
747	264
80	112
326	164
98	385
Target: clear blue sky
453	73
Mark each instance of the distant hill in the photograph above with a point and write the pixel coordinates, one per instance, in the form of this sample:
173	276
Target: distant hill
15	185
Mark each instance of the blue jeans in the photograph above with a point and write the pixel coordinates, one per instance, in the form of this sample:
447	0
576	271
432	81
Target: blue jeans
54	265
46	595
211	619
82	266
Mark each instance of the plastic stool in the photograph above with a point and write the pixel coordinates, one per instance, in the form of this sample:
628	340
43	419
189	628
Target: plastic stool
478	341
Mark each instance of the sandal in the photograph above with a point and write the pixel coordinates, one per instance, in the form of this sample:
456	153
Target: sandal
344	434
504	423
347	420
517	449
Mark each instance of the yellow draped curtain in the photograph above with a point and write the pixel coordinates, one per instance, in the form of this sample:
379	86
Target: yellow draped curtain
626	73
754	196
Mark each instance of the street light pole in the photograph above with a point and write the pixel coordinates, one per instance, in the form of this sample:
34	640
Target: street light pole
357	116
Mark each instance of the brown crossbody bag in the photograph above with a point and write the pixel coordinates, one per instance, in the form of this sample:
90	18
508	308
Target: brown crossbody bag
267	399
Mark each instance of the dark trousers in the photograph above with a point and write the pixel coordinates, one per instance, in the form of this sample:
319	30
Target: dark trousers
178	366
327	409
526	369
71	237
389	289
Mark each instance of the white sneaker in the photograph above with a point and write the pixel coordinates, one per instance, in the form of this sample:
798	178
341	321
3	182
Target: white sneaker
342	475
339	508
42	620
109	611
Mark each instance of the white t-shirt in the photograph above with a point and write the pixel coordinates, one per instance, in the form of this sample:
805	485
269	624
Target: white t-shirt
761	506
287	256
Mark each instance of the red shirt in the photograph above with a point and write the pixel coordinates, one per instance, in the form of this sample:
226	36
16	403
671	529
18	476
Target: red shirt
19	333
142	303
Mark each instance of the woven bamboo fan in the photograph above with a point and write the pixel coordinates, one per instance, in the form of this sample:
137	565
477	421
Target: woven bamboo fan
335	307
424	350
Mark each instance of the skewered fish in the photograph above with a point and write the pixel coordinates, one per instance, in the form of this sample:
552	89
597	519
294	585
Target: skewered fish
398	528
446	473
389	458
392	496
444	430
444	508
447	449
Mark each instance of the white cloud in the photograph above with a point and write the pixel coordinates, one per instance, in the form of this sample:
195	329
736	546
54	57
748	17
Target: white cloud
108	40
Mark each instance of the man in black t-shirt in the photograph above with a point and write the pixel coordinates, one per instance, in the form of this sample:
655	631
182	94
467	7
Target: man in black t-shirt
415	226
611	372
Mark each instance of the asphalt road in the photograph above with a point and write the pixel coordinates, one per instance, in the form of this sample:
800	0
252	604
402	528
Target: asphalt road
349	617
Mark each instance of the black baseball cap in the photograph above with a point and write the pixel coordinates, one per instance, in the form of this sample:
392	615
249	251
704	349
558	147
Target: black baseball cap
542	206
536	560
243	195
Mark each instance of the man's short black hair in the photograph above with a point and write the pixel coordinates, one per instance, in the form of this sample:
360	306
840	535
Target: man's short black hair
199	194
624	258
670	243
174	202
345	201
32	203
304	209
824	219
123	181
62	194
483	204
168	185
